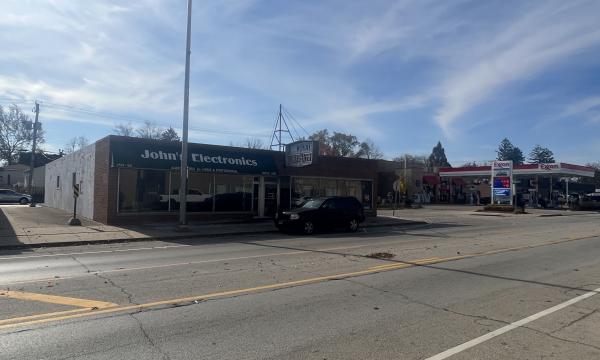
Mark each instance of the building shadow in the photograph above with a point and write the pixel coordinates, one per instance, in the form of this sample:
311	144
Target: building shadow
10	244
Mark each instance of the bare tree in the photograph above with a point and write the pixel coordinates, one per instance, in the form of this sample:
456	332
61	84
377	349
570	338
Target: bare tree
76	143
16	133
254	143
149	130
369	150
123	129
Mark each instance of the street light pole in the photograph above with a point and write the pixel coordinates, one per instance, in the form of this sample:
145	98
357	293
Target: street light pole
33	146
184	137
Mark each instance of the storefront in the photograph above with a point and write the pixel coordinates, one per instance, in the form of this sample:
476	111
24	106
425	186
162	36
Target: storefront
131	179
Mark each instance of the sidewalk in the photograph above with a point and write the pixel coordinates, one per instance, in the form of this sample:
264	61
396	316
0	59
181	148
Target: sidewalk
434	210
24	227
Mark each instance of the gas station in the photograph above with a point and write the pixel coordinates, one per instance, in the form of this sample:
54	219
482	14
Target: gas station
543	184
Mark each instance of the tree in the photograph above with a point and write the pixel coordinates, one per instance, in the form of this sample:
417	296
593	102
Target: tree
343	144
76	143
149	131
438	156
16	133
596	179
368	150
170	135
322	136
254	143
539	155
412	160
123	129
507	151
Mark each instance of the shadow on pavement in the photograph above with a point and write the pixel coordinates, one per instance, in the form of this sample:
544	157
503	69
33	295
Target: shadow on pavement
8	235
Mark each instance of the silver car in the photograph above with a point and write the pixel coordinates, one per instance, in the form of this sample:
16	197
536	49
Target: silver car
11	196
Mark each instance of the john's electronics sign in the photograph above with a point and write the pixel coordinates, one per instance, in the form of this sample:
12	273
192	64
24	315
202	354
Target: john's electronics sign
201	158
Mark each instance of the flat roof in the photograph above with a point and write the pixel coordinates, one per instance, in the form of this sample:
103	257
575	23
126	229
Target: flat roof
555	169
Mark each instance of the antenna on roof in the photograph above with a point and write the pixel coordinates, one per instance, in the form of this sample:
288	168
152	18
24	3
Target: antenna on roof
281	127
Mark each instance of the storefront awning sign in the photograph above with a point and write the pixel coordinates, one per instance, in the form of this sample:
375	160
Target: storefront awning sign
301	153
201	158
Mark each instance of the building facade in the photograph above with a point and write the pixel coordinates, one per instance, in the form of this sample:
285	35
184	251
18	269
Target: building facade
125	180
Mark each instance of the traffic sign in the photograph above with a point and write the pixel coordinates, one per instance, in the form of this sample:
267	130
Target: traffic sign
76	190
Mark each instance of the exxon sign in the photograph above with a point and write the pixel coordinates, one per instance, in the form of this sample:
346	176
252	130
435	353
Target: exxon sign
502	165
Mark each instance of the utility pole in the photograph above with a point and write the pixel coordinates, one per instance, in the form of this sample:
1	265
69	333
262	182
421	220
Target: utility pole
405	182
32	163
184	137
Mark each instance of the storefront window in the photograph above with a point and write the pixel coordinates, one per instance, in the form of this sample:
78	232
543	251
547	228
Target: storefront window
143	190
233	193
200	192
158	190
304	188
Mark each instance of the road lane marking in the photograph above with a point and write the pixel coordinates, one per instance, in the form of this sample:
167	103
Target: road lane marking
17	257
44	315
229	293
54	299
408	263
296	252
469	344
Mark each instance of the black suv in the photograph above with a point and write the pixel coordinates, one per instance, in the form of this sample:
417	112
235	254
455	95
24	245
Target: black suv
320	213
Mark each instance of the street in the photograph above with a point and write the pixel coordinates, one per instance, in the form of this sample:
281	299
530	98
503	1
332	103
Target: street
461	287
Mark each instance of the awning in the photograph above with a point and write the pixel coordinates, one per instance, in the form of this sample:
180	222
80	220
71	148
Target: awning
458	181
431	179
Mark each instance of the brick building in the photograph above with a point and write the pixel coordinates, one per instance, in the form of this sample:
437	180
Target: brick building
125	180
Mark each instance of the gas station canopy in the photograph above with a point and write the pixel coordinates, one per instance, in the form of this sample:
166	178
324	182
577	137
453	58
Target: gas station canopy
554	169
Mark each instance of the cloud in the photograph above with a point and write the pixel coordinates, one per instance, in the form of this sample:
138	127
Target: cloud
528	46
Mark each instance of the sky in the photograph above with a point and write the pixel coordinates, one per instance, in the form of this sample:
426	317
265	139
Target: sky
405	74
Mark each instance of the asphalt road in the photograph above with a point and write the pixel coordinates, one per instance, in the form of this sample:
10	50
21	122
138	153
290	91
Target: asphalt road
468	284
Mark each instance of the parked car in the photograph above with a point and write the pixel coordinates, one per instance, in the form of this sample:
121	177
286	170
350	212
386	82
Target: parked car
321	213
11	196
193	196
590	201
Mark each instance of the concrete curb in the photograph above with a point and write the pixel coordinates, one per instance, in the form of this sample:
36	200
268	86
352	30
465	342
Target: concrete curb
188	236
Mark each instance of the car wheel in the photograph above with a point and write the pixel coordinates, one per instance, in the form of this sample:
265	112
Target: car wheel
308	227
23	201
353	225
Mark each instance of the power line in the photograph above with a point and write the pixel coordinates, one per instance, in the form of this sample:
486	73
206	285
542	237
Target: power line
296	121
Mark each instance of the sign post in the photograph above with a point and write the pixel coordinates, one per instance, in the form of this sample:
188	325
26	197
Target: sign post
502	182
74	221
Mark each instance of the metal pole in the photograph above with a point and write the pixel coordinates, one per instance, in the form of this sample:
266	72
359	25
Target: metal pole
32	163
405	181
184	137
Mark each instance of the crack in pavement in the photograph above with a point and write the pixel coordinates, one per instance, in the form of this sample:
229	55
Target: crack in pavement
122	289
154	345
107	280
571	323
481	317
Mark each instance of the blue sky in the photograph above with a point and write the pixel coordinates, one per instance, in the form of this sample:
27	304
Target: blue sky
402	73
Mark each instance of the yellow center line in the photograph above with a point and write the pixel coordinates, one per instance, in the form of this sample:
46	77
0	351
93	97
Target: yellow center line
377	269
44	315
407	263
53	299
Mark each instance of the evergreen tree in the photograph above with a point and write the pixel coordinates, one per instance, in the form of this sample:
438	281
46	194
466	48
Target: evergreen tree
170	135
507	151
438	157
539	155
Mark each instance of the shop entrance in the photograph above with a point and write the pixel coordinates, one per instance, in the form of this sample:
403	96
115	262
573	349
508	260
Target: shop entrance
266	193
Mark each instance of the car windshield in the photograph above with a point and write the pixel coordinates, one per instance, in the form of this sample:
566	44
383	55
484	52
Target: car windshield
313	204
